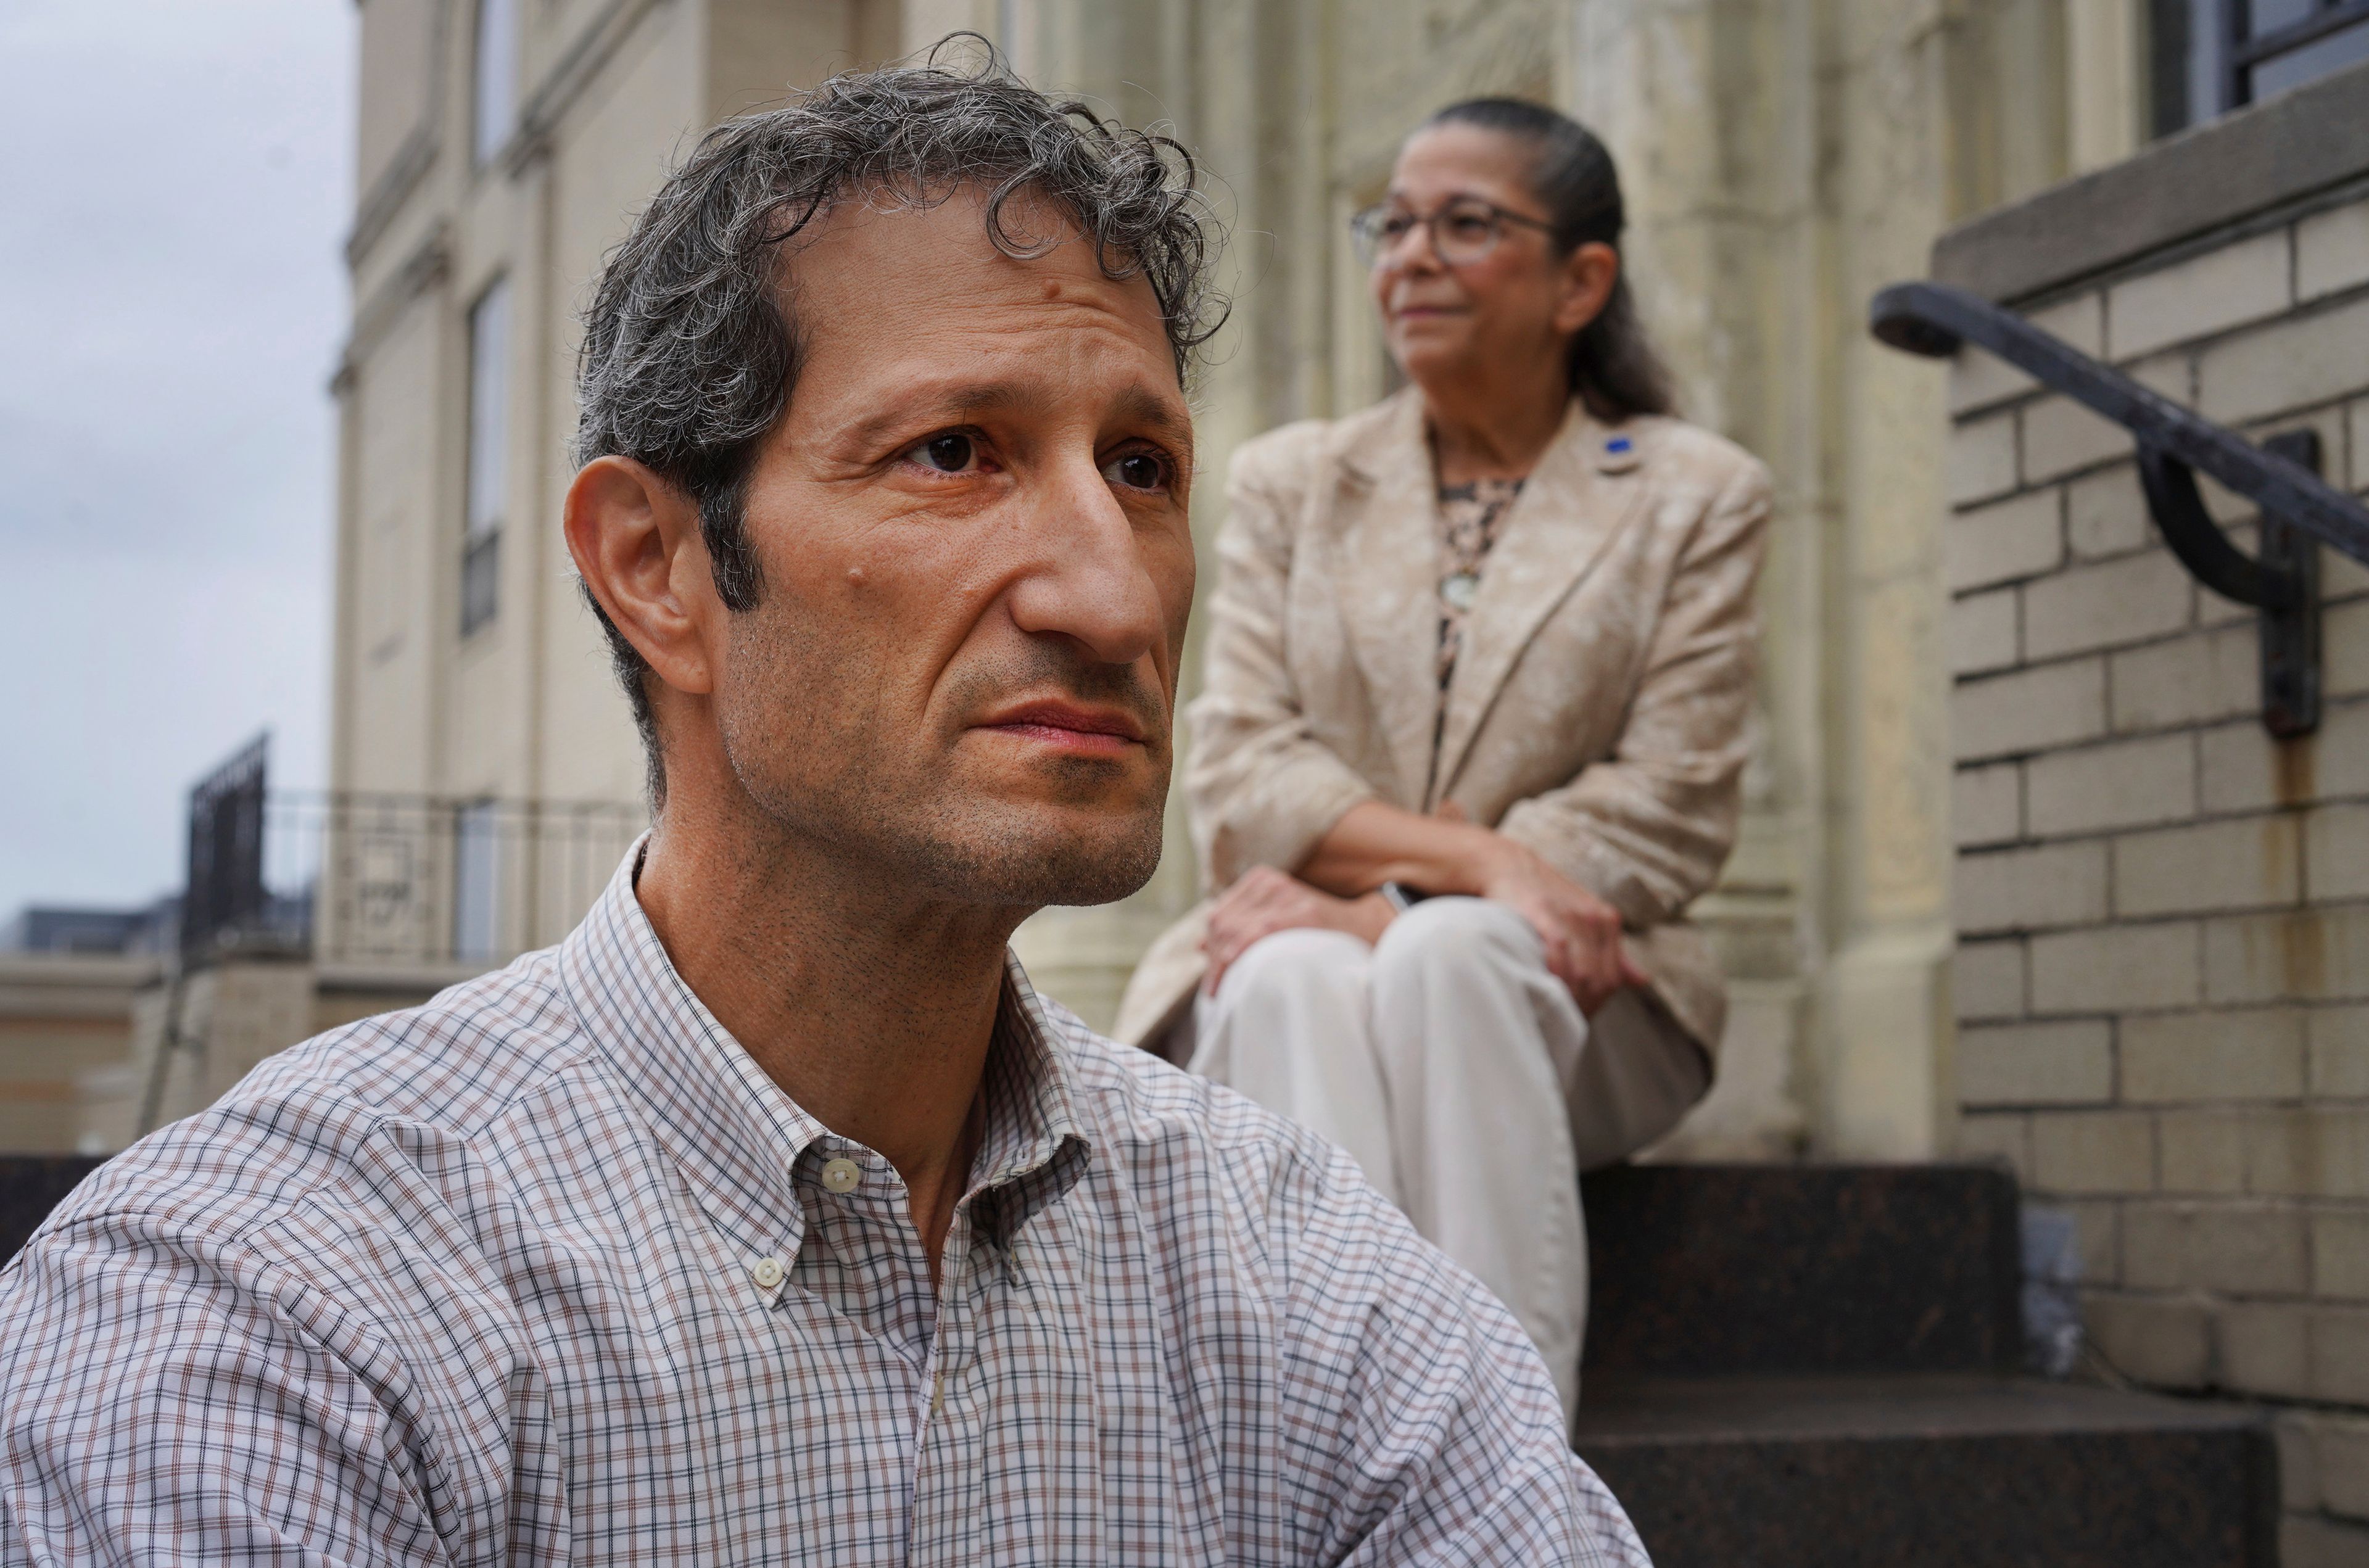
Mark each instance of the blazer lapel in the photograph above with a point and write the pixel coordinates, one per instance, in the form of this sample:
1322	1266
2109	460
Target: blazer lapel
1389	592
1577	500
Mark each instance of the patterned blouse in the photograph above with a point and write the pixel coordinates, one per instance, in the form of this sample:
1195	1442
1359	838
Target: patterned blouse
1470	517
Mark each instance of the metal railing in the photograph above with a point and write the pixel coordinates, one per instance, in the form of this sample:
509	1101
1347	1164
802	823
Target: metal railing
390	882
2299	510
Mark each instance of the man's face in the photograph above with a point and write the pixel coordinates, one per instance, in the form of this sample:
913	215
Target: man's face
977	562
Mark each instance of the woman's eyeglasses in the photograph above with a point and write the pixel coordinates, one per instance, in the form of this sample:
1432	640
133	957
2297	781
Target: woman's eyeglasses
1464	229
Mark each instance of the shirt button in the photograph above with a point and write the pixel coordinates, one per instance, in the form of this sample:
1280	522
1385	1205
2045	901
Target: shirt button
767	1272
842	1175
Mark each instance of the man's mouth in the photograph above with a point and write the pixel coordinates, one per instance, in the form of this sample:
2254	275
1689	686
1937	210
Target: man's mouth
1077	727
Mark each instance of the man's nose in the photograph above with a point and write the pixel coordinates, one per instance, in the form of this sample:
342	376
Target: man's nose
1090	577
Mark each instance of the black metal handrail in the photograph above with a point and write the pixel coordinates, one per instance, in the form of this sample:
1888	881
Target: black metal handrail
2174	444
1935	319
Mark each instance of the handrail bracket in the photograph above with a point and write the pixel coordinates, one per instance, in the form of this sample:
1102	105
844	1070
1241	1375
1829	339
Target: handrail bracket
2280	581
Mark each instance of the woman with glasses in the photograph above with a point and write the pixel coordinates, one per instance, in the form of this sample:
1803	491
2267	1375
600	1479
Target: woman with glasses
1472	728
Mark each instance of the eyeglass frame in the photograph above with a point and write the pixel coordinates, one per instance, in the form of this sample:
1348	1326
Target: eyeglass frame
1381	248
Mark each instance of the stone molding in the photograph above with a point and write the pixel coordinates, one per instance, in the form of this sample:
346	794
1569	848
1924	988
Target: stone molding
428	266
391	192
2298	145
561	86
576	69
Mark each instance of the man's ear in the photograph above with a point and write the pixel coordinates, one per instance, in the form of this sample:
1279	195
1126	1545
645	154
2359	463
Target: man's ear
637	547
1589	273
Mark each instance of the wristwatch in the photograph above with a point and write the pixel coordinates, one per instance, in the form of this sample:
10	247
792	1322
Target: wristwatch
1401	897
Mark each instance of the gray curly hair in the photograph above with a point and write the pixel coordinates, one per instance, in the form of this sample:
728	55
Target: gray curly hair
690	348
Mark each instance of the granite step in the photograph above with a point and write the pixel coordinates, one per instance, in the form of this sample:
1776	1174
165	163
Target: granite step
1729	1270
1804	1365
1948	1471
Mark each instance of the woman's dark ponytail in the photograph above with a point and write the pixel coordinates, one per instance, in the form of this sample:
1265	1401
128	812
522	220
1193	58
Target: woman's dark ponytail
1614	369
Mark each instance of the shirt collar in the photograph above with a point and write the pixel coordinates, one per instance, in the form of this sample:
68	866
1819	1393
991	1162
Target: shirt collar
1035	1146
733	1132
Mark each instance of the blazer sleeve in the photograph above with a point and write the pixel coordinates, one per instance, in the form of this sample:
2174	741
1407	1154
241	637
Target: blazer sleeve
1262	787
1649	828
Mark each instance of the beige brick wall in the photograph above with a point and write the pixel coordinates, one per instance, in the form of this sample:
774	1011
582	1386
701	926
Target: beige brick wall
2162	981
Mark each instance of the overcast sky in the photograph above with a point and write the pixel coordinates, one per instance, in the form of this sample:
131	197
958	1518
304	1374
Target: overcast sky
175	184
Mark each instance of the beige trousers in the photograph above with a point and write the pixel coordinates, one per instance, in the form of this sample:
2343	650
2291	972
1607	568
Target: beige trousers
1459	1072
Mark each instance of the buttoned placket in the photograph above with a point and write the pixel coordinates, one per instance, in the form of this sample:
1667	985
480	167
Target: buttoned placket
875	1194
953	1280
949	1421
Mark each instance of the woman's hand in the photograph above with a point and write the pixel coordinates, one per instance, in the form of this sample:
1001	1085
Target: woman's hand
1446	852
1580	932
1264	900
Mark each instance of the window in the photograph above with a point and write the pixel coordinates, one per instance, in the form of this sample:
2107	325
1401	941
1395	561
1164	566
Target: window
2207	57
490	332
495	76
476	882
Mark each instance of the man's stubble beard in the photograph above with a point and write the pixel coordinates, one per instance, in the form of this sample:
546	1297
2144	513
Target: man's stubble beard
812	757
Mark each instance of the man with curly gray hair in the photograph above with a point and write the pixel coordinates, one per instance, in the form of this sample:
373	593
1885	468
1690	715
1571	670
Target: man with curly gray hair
773	1217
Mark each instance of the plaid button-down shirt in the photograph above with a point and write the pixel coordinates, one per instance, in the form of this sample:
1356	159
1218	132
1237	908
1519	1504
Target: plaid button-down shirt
549	1271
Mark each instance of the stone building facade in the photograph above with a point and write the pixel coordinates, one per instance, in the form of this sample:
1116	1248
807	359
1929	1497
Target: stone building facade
2163	912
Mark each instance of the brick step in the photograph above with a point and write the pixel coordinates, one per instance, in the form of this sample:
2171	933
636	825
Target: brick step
1735	1270
1938	1470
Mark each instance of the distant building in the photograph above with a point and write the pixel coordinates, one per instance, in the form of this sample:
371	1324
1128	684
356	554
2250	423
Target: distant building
70	977
50	927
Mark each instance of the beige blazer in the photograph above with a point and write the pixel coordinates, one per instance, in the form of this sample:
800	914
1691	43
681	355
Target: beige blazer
1597	712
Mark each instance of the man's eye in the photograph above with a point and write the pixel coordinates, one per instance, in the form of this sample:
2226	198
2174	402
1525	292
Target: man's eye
1136	471
1396	226
1468	225
949	453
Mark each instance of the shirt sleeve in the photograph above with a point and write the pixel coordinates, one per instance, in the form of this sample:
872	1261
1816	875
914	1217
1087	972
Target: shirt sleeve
1453	1448
172	1399
1648	829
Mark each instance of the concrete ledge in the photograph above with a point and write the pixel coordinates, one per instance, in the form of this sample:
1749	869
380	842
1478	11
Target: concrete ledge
79	968
52	986
2300	142
397	978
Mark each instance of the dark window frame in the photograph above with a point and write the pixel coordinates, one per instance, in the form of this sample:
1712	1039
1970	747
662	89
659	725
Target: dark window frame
486	453
481	578
2233	52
